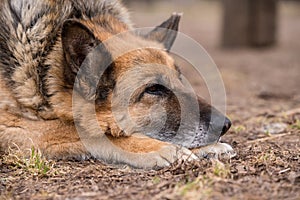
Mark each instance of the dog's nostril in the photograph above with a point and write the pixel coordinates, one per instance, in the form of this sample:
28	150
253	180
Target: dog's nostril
226	127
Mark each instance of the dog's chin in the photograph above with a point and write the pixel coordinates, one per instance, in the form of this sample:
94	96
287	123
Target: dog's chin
217	150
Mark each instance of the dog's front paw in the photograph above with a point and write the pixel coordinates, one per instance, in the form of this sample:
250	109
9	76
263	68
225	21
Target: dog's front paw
170	154
140	151
164	157
215	150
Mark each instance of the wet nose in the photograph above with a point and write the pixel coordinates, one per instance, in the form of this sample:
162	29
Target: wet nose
226	127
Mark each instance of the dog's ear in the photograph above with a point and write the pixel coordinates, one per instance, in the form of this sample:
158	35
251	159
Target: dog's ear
77	41
86	59
166	33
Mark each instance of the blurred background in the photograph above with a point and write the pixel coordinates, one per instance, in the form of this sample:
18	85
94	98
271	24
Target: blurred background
255	44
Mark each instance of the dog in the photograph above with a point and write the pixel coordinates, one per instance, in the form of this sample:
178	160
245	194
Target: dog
78	82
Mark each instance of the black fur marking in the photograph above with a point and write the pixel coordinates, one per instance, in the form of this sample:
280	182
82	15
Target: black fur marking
15	15
7	62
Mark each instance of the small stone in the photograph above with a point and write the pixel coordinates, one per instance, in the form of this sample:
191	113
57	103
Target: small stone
274	128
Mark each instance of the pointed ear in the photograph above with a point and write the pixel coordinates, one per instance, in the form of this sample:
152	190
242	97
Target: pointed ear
77	41
166	33
86	60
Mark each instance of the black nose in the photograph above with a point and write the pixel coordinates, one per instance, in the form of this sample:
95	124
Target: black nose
226	127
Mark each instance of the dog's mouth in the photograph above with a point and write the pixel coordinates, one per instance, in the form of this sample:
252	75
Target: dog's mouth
200	142
204	138
212	148
191	137
210	136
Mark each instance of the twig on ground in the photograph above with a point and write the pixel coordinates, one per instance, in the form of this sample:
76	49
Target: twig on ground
285	170
291	112
268	138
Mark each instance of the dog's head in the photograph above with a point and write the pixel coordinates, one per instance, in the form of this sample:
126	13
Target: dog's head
135	84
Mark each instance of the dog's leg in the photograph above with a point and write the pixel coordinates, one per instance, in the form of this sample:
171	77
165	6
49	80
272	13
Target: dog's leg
53	138
137	151
22	141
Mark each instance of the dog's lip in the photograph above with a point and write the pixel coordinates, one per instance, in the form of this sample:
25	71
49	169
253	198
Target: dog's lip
219	140
205	145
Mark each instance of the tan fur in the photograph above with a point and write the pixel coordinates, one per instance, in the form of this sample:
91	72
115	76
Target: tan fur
137	144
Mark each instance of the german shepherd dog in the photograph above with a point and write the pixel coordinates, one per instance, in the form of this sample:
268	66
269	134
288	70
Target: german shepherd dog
63	86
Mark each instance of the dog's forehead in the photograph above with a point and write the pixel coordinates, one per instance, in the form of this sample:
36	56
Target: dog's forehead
147	66
120	40
129	50
150	60
154	56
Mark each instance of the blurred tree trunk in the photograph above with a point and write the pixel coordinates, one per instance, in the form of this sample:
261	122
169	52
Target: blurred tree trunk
249	22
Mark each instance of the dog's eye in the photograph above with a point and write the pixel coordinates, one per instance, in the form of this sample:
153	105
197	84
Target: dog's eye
156	90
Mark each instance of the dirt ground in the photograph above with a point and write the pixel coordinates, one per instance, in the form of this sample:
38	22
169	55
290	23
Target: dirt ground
263	101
